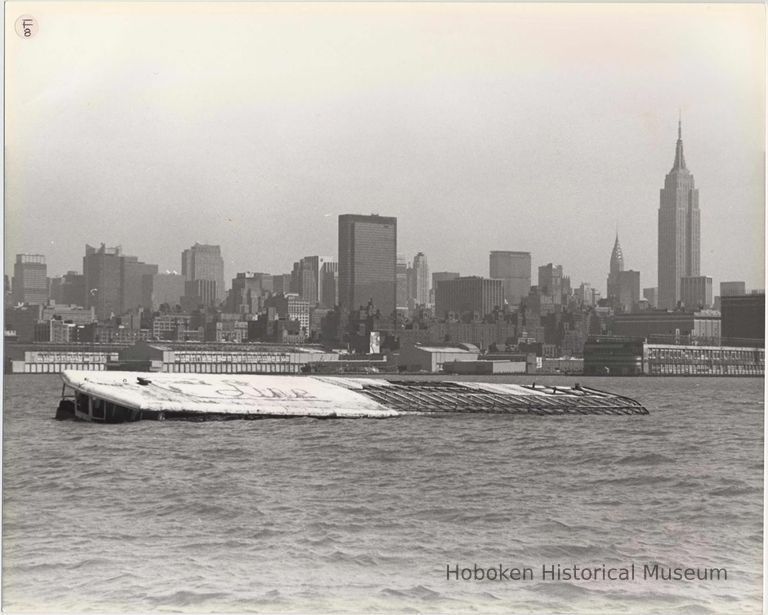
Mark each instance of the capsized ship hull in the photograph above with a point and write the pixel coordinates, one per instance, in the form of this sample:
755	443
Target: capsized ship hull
114	397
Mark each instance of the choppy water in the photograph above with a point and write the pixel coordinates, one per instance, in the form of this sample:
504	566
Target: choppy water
363	515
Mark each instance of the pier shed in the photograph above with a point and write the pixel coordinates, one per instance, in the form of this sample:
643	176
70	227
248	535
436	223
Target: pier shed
234	359
485	367
432	357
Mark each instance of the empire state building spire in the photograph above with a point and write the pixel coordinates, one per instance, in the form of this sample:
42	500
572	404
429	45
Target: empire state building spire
679	157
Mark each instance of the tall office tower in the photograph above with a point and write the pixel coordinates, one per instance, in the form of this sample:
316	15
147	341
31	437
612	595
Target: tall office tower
72	289
402	278
696	292
249	290
410	287
421	279
616	267
307	278
629	290
440	276
296	277
198	294
471	294
132	273
281	283
54	289
101	269
163	288
204	262
732	289
514	270
584	294
551	282
679	229
30	279
329	278
318	264
114	283
368	262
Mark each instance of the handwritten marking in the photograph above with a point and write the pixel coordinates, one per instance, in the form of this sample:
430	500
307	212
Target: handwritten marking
26	26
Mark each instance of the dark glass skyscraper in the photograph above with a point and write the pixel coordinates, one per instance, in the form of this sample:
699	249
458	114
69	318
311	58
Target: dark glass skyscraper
679	229
367	262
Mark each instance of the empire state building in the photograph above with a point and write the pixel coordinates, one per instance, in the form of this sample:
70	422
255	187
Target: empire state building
679	229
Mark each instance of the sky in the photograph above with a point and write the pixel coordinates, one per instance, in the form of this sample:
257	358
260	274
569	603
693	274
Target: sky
485	126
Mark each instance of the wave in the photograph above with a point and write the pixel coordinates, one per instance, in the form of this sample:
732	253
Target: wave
418	592
187	597
649	459
734	490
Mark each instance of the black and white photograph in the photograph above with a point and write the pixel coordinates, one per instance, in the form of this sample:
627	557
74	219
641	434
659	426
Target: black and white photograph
383	307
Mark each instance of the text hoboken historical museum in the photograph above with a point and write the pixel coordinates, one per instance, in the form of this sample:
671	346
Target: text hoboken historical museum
575	572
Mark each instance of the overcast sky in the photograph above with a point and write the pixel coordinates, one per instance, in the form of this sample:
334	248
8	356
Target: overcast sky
479	126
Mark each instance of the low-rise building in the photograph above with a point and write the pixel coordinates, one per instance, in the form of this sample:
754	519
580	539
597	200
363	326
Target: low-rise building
613	356
234	359
68	313
480	334
743	319
430	358
55	361
696	292
292	307
170	326
664	326
485	367
628	356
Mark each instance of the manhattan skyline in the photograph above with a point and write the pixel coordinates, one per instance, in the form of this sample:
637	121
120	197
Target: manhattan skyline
543	129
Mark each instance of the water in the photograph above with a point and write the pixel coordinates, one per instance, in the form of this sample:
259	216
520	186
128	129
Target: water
359	516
